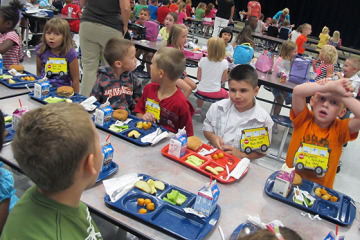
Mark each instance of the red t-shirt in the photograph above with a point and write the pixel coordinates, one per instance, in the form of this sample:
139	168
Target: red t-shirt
176	111
188	10
300	41
255	9
74	24
162	12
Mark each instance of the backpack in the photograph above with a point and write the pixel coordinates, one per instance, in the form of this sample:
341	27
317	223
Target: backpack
299	70
243	53
152	30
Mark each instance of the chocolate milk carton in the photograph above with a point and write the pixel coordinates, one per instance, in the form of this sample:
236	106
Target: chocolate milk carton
108	153
178	144
42	89
207	198
103	116
283	181
17	115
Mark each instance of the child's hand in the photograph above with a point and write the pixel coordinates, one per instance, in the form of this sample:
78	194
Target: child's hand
233	151
150	117
343	87
218	142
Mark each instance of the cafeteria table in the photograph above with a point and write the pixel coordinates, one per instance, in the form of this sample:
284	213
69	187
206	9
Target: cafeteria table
6	92
237	200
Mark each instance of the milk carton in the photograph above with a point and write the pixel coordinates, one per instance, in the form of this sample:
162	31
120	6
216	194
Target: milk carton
178	144
207	198
108	153
283	181
103	116
42	89
17	115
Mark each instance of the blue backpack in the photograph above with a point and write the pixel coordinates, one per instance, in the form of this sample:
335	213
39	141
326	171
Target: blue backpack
243	53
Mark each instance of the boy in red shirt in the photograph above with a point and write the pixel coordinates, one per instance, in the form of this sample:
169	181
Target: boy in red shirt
162	101
302	39
163	11
75	13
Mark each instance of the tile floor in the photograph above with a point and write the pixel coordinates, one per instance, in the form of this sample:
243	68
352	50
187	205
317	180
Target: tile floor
347	181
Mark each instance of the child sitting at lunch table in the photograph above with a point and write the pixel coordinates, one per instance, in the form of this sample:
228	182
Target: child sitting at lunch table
117	83
226	119
162	101
57	147
321	126
144	16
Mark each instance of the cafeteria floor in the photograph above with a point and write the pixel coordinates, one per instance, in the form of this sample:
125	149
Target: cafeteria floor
347	180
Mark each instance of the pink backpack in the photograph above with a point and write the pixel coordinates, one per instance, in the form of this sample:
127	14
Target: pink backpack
152	30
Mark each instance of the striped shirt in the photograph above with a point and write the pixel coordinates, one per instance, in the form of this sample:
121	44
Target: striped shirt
13	55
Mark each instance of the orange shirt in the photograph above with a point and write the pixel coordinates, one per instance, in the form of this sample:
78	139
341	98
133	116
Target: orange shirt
333	137
300	41
174	7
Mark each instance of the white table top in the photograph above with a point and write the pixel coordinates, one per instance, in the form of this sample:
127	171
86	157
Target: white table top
237	200
6	92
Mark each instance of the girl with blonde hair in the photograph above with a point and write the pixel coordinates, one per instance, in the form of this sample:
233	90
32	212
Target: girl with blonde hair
324	37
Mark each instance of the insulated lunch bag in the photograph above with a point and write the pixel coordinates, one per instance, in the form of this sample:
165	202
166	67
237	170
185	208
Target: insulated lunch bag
152	30
243	53
264	62
299	70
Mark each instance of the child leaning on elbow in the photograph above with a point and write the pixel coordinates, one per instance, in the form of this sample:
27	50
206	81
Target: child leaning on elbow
226	119
321	125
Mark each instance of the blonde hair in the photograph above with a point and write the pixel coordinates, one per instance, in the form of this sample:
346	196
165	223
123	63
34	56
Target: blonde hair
188	2
216	49
286	48
174	34
286	10
354	62
51	141
336	37
181	7
305	26
61	26
325	30
171	61
330	53
200	5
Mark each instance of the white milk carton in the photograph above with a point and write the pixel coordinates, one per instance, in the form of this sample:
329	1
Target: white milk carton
283	181
42	89
178	144
103	116
207	198
17	115
108	153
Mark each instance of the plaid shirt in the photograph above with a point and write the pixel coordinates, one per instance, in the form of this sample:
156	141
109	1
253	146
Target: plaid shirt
123	93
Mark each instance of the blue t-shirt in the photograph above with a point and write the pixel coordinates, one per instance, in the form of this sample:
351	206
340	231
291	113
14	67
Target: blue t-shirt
7	187
153	12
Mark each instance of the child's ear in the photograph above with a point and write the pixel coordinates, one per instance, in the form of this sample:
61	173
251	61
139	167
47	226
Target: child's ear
89	164
8	24
118	64
341	113
256	91
161	73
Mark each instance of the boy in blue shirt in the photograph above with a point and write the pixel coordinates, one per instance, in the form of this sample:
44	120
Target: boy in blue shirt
153	9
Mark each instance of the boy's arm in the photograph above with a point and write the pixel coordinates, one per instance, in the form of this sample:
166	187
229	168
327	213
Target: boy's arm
215	140
354	106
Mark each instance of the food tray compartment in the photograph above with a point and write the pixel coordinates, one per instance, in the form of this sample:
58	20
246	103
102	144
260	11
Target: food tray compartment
166	217
342	212
208	160
11	133
109	171
213	165
19	83
132	126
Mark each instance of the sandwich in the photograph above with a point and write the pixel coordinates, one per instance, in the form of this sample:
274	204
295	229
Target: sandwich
65	91
19	68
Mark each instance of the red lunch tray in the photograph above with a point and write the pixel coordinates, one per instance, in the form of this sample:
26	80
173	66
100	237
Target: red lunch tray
228	159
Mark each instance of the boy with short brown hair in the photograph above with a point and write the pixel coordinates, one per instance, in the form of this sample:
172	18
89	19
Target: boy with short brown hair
162	101
321	126
57	147
117	82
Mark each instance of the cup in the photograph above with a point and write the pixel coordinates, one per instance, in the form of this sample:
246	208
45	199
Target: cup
70	9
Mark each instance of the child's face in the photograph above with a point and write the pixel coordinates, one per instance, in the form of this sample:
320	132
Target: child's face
154	71
349	70
307	31
169	21
54	39
128	63
143	17
182	38
326	108
242	95
226	36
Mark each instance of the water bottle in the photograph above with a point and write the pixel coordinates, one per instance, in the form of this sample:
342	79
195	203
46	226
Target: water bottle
1	67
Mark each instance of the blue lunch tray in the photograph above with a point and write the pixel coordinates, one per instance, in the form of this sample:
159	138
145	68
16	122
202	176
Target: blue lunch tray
132	126
19	83
109	171
77	98
342	212
11	133
166	217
